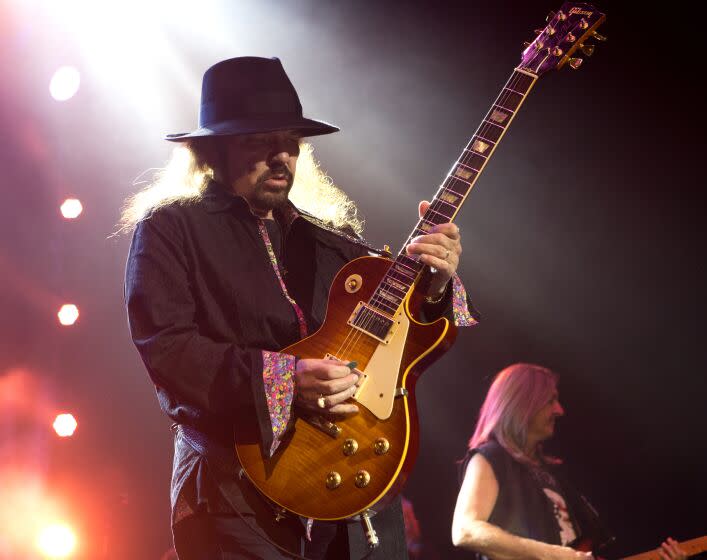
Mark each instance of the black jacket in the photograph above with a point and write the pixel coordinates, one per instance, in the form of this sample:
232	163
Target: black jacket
204	302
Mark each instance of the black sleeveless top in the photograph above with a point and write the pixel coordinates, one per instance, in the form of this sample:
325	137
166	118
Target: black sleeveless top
537	502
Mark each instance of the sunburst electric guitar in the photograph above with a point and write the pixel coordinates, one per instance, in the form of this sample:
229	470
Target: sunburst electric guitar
330	470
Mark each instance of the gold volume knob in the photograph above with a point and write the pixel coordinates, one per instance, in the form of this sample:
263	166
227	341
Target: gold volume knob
333	480
362	479
381	446
350	447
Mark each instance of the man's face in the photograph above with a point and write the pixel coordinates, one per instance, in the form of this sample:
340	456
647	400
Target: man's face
261	168
542	424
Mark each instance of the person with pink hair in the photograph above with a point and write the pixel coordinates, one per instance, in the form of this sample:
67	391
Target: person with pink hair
514	502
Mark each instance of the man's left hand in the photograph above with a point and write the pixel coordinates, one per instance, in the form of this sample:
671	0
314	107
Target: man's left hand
439	249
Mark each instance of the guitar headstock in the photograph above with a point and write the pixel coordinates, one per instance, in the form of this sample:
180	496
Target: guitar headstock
567	31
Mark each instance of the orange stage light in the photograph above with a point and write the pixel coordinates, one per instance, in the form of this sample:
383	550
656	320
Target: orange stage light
57	540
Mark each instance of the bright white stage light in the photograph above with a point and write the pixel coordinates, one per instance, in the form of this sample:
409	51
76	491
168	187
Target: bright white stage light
71	208
56	541
68	314
65	425
65	83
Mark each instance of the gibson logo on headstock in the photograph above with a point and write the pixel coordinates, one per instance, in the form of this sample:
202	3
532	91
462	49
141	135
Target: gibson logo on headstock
580	12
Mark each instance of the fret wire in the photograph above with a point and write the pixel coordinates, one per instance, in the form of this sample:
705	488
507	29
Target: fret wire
405	267
450	182
439	207
504	108
393	284
494	124
402	278
445	202
475	153
387	296
514	91
465	165
492	134
484	139
380	304
435	211
388	291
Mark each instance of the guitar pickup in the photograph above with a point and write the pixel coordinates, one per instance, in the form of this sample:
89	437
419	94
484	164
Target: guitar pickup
374	323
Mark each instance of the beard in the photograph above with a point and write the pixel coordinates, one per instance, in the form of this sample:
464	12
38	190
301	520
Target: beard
265	197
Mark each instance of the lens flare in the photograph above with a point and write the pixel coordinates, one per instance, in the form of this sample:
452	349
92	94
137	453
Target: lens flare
64	83
65	425
71	208
68	314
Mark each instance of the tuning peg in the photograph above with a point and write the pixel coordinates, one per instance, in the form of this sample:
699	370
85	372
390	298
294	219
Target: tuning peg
587	49
575	63
598	36
526	44
550	16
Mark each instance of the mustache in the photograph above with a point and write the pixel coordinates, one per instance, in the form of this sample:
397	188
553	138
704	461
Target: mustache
279	170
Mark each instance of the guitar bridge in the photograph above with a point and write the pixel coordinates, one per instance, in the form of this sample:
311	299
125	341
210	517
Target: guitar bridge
329	428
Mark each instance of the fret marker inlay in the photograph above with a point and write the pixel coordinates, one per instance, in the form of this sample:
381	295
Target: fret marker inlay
462	173
498	116
479	146
449	197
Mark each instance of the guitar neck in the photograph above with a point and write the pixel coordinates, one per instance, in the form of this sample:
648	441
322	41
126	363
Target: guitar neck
455	188
691	547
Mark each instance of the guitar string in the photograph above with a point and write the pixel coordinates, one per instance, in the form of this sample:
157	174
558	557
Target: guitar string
355	335
436	204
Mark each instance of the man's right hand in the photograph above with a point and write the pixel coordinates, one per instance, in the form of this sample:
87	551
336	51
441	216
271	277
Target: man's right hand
327	382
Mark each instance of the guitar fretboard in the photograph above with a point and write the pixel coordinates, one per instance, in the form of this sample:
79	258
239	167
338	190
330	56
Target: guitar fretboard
691	547
453	191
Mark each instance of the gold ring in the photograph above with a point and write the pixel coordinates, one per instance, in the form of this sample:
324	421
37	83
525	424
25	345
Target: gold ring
321	403
447	255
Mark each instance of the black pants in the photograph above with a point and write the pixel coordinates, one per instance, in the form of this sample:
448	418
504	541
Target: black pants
229	537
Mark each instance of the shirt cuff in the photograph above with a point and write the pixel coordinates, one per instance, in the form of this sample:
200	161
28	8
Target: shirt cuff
279	383
460	305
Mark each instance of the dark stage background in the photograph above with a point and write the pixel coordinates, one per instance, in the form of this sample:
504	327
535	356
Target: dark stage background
582	241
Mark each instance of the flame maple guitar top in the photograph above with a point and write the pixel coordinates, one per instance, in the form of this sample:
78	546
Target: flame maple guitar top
295	477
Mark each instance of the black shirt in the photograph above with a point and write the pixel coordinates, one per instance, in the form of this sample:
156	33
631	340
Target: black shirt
204	302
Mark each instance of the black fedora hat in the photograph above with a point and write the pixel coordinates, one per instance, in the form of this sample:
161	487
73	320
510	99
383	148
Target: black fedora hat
248	95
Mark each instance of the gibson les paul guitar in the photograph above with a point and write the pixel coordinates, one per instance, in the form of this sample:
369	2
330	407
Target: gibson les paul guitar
333	470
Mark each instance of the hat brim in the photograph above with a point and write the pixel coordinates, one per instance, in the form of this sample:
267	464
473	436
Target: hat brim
237	127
